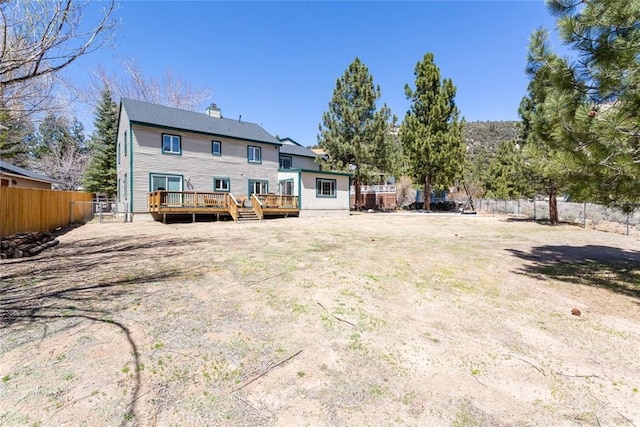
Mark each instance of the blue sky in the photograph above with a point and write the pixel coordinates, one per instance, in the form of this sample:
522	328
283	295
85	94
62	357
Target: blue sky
276	63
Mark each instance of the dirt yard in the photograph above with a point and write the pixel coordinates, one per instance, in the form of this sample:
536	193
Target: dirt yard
374	319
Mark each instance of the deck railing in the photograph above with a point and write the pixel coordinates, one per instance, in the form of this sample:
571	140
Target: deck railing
278	201
187	199
233	207
256	204
165	201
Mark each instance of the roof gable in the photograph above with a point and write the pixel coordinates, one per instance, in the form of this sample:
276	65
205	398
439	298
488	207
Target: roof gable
175	118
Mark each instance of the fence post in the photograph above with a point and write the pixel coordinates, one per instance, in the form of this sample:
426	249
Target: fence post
534	208
628	218
584	215
71	212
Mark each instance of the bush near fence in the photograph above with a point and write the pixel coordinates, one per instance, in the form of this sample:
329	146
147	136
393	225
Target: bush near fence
32	209
589	215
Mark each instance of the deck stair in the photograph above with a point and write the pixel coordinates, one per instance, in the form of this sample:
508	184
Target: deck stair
247	214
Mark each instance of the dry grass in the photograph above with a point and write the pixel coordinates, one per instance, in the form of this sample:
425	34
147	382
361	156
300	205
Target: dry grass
380	319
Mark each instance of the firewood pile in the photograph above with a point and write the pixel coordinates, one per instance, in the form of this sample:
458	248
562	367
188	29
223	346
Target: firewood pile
26	244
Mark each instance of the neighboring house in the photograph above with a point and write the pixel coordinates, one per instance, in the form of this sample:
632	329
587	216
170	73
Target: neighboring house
14	176
168	149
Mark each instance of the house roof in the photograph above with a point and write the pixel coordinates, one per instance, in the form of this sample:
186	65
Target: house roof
289	146
15	170
168	117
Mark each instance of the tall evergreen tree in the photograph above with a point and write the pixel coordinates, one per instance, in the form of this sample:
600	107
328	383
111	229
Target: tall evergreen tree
587	112
353	131
60	151
101	173
506	176
431	132
13	136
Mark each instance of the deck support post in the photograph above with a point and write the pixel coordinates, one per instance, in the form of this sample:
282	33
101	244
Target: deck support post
193	217
164	218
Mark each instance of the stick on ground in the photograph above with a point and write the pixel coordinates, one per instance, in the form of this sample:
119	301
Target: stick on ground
266	371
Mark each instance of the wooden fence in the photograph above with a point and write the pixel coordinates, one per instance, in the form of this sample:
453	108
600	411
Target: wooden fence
31	209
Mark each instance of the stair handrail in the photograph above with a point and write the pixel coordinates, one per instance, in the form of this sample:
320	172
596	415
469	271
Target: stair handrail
232	206
257	205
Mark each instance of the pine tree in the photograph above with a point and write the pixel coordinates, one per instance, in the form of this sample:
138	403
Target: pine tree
506	176
101	174
583	117
431	132
13	135
59	151
353	131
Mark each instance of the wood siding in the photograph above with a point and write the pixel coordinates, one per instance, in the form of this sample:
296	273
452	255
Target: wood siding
300	162
197	164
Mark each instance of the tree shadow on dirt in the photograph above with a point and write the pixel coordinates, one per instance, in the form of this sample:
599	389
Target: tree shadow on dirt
84	255
61	290
606	267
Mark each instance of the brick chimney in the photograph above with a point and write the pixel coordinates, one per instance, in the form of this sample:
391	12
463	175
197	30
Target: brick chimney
214	111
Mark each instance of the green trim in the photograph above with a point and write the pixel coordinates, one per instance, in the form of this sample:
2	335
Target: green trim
285	156
324	196
249	147
291	180
222	179
172	153
251	181
219	153
314	171
203	133
166	174
130	167
299	190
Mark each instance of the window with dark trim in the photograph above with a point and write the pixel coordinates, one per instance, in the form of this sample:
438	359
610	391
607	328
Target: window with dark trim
171	144
258	187
216	148
254	154
286	162
286	187
125	143
325	187
221	184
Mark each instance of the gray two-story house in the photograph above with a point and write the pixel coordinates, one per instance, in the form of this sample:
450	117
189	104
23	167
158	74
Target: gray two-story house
169	150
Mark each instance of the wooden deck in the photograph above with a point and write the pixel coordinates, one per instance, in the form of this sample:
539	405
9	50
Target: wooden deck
165	202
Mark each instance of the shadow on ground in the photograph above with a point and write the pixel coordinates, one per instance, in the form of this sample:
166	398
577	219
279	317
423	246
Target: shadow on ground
77	282
606	267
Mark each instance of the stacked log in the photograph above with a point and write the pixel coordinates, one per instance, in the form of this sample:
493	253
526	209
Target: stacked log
26	244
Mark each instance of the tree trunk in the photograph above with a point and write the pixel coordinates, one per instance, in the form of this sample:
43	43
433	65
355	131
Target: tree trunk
427	193
553	204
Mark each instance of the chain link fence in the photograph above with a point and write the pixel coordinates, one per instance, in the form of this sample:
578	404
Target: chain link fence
103	210
587	215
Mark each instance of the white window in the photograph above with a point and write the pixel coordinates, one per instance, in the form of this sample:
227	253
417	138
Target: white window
286	162
258	187
216	148
166	182
286	187
325	187
171	144
254	154
221	184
